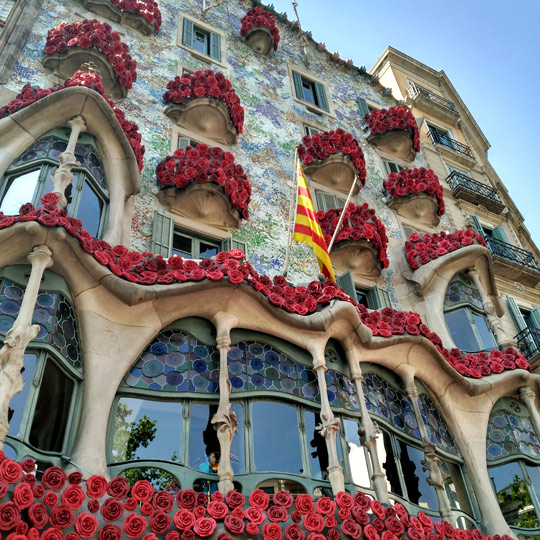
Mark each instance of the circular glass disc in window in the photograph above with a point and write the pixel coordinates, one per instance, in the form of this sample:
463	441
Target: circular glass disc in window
152	368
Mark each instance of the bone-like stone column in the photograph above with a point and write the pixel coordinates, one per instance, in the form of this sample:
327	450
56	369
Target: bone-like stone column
19	336
368	430
329	425
62	175
527	397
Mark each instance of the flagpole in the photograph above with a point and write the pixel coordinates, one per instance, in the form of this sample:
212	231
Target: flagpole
292	213
338	226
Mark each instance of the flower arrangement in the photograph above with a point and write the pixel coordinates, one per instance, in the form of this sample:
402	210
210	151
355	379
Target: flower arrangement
93	33
210	84
321	145
359	223
389	322
30	94
66	506
256	18
383	120
203	164
414	181
422	249
146	8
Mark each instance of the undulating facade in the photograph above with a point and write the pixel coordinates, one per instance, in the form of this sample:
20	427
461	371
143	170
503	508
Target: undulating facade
147	197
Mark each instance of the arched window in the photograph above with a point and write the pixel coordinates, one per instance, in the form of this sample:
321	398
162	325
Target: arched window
513	454
40	416
29	177
465	316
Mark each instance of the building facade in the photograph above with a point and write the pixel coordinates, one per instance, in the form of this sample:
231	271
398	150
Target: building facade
147	157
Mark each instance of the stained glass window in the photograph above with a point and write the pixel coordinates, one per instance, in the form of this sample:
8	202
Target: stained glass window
462	291
436	427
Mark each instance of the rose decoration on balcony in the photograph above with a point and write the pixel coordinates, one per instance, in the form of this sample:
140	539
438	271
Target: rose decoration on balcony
208	85
95	35
145	8
261	21
389	322
395	131
422	249
359	223
201	165
30	94
315	151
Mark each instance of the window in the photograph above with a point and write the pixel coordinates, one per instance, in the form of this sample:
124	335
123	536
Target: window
465	316
184	142
527	322
310	130
29	177
191	246
201	39
327	201
372	297
392	167
5	9
309	91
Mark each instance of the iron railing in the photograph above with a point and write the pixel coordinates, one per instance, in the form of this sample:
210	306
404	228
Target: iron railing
512	253
528	341
416	90
456	179
443	139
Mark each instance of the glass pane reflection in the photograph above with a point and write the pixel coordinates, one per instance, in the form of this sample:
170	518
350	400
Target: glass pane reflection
273	423
20	190
318	453
238	460
89	211
202	435
18	401
461	330
357	457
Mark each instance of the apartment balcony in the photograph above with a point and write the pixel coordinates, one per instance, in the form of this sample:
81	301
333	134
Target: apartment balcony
514	263
475	192
528	341
452	149
429	102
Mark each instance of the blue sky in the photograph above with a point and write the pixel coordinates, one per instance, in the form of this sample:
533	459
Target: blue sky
490	50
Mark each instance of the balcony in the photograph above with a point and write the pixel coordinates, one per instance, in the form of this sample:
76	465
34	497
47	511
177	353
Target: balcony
475	192
428	101
452	149
514	263
528	341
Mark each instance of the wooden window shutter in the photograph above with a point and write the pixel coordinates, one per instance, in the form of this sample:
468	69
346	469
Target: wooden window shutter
378	298
298	87
215	46
321	96
346	282
188	33
500	234
535	317
516	313
363	108
162	234
477	226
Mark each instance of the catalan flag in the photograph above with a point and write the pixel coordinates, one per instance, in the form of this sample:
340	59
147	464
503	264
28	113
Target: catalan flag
307	228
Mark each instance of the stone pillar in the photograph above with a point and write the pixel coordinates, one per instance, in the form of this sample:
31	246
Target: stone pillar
62	175
368	432
18	337
224	421
527	397
329	425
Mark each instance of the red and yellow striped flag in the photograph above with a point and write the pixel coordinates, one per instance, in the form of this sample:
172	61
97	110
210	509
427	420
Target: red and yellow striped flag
307	228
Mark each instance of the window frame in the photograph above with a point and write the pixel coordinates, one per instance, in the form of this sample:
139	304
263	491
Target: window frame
216	39
322	102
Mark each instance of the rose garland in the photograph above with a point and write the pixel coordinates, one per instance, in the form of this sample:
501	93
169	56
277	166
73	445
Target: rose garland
61	506
208	83
93	33
388	323
422	249
256	18
414	181
359	223
203	164
382	120
29	95
146	8
321	145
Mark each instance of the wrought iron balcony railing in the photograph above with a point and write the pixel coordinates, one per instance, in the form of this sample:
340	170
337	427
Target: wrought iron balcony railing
444	140
512	253
416	90
456	180
528	341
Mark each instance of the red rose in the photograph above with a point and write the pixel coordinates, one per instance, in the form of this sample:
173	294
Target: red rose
38	490
325	506
360	514
371	533
394	525
73	496
186	498
294	532
51	534
283	498
234	525
50	498
96	486
110	532
86	525
217	509
28	465
271	531
118	487
255	515
258	498
202	499
204	527
277	514
172	535
11	471
184	519
378	509
134	525
112	509
61	516
50	199
235	499
23	496
188	535
37	514
344	500
146	509
142	491
93	506
252	529
163	501
159	522
313	522
304	503
387	535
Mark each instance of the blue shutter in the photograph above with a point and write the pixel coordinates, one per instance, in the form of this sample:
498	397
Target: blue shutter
477	226
378	298
516	313
363	108
230	243
298	86
321	96
215	46
346	282
500	234
162	234
188	33
535	317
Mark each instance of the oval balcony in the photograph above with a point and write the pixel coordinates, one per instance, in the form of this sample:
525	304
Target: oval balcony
333	159
259	31
205	103
204	184
416	194
361	243
394	131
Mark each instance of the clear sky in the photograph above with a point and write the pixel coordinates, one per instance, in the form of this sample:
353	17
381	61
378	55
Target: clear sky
490	50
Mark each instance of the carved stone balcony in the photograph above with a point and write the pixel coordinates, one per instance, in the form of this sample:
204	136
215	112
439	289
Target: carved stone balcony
452	149
475	192
528	341
428	101
513	262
